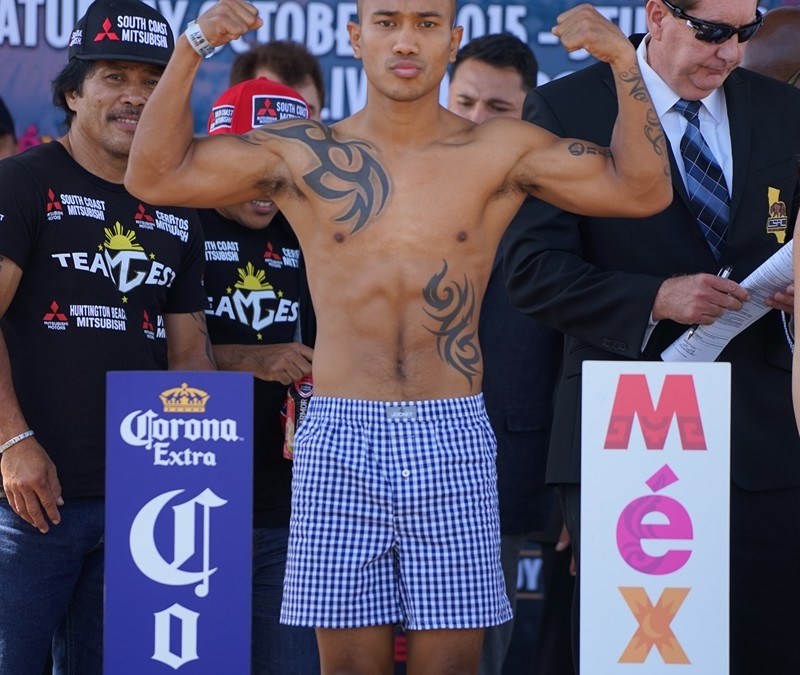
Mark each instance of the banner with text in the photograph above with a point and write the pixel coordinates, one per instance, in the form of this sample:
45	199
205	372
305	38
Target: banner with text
34	36
178	522
655	510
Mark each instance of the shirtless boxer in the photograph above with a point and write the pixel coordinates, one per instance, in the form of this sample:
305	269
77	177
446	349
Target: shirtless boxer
399	210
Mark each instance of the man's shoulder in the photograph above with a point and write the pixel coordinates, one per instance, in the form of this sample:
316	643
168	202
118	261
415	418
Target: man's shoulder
28	175
766	86
44	157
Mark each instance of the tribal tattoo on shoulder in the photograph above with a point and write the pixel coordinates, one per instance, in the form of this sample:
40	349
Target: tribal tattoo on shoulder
452	306
348	171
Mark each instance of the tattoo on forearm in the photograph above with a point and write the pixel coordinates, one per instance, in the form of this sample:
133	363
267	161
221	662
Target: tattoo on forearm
638	90
452	306
348	171
200	317
577	148
652	129
655	134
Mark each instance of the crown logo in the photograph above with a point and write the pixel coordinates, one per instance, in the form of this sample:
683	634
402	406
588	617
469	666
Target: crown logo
184	399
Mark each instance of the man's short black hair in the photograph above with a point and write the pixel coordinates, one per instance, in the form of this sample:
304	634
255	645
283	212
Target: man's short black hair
501	50
71	78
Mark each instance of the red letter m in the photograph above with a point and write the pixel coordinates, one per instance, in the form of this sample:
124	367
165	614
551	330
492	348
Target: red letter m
678	398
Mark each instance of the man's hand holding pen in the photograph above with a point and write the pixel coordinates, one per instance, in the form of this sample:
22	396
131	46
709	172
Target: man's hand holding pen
724	273
697	298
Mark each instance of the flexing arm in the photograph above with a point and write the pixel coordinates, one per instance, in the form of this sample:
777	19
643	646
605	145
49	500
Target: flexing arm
167	165
632	176
594	279
29	475
549	274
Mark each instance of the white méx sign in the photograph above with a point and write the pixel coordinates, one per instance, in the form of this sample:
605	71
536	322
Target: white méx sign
655	493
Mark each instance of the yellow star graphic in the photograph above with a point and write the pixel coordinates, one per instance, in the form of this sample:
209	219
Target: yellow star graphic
280	294
99	247
124	299
258	336
152	256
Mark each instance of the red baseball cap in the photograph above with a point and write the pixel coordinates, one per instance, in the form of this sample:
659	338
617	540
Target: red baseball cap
254	103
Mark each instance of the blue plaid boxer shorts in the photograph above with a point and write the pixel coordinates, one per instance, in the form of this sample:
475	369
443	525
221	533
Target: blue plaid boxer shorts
395	517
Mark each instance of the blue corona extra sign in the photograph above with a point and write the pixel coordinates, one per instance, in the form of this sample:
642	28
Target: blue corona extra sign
178	523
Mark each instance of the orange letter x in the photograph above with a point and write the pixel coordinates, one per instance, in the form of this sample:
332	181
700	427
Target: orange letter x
654	623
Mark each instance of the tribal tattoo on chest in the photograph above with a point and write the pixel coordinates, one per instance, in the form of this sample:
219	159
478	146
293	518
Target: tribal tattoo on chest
348	171
452	306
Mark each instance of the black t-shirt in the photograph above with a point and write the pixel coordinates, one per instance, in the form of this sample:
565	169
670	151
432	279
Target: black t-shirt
100	269
255	285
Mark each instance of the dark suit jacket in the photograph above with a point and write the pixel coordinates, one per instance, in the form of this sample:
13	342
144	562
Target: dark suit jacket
595	279
521	362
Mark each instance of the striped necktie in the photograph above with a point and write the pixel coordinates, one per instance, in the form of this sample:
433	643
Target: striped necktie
705	182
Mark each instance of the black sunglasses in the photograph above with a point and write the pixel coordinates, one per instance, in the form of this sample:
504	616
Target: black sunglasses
708	31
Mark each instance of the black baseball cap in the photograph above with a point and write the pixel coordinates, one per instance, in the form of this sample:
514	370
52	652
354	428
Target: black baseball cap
6	123
122	30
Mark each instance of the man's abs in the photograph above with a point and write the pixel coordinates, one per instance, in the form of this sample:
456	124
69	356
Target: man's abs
385	337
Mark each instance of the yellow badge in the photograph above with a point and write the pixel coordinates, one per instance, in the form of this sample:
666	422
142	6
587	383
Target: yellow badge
777	222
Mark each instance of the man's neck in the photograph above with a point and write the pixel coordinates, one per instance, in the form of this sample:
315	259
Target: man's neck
95	160
398	123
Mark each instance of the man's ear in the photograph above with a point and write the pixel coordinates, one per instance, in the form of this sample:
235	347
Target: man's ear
70	97
654	12
354	30
455	41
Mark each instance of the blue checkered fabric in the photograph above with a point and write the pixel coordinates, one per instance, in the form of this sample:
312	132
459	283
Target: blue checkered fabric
705	182
394	517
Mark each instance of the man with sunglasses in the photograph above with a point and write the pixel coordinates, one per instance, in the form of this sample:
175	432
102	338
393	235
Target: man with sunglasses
626	288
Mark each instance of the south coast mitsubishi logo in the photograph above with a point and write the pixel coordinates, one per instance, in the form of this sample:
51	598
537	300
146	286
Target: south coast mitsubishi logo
55	210
106	33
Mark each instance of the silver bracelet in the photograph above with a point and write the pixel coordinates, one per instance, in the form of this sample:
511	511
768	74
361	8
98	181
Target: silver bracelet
15	440
199	41
788	329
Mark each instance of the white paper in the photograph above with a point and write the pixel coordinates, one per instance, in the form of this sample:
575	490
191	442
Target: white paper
707	342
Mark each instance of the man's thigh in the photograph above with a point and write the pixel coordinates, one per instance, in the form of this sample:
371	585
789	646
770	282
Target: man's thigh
357	651
78	640
450	652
